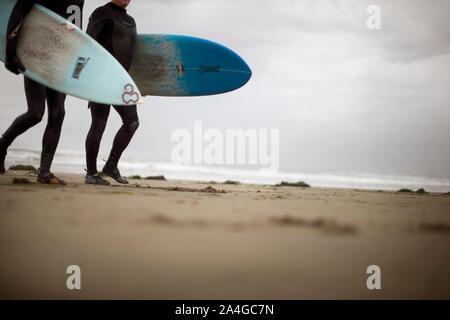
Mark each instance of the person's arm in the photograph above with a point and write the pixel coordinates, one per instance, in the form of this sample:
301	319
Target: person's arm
18	14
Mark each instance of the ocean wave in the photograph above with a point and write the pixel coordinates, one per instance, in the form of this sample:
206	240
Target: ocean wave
74	162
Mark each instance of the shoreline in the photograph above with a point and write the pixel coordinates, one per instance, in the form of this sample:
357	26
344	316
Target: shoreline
74	162
402	189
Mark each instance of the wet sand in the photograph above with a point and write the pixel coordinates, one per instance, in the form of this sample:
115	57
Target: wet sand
186	240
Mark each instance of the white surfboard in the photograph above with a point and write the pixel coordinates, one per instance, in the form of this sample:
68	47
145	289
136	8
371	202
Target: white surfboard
59	55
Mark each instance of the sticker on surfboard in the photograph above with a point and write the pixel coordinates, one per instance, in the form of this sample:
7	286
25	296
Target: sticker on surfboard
79	66
131	96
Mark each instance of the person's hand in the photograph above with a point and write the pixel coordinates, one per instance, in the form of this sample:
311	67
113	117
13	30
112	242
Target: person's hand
15	65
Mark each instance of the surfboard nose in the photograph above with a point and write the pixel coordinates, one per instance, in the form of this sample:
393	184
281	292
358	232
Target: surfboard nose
242	70
246	69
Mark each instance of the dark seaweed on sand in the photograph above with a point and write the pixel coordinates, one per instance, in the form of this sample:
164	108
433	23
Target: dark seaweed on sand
161	178
138	177
21	167
421	191
232	182
293	184
20	181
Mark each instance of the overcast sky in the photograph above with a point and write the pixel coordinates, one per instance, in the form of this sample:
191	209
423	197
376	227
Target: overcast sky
344	97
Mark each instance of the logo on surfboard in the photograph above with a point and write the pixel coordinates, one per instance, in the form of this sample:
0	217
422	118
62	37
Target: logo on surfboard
130	96
81	63
204	69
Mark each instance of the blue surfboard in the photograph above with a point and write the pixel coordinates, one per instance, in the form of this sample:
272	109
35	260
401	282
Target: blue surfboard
175	65
59	55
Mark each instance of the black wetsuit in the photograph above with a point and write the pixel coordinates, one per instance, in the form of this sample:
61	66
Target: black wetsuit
115	30
36	93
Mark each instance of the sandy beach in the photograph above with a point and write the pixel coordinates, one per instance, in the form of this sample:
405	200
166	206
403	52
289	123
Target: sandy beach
187	240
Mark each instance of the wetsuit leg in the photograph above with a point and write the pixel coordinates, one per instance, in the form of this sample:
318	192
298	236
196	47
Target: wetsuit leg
99	113
56	113
35	94
130	123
